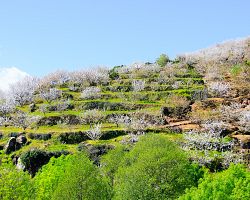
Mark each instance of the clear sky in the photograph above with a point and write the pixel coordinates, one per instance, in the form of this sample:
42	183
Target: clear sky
39	37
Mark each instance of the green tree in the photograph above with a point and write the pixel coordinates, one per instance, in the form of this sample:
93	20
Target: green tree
162	60
154	169
82	180
111	161
47	179
233	183
14	184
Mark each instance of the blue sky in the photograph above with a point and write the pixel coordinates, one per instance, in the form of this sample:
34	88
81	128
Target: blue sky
39	37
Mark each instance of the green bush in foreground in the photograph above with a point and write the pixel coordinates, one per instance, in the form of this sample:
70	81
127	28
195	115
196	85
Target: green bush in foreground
154	169
233	183
71	177
14	184
81	180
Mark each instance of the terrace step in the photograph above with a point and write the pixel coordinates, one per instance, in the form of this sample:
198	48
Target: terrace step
185	125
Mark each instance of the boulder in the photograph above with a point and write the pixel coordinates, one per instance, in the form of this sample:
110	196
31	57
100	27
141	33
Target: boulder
15	144
10	146
21	140
32	107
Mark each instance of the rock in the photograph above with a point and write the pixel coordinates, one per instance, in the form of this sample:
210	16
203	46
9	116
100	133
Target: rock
21	140
20	165
15	144
32	107
244	141
10	146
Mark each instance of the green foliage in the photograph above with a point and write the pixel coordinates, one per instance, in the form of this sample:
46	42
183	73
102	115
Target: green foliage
155	169
236	70
14	184
233	183
111	161
47	179
247	62
34	159
162	60
81	180
113	74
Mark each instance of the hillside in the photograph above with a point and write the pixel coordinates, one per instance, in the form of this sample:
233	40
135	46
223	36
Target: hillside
200	101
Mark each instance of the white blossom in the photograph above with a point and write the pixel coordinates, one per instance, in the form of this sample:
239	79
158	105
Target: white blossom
23	120
95	132
138	85
91	93
22	92
51	95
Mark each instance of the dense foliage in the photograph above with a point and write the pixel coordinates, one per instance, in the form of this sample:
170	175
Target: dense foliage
154	169
71	177
233	183
14	184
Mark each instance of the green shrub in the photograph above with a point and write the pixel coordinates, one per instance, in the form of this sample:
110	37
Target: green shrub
154	169
162	60
47	179
233	183
236	70
14	184
81	180
34	159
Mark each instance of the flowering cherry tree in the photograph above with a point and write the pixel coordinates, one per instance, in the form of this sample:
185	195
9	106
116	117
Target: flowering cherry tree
22	92
23	120
51	95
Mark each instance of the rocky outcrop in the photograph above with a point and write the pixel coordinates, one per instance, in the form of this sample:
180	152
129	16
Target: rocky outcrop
15	144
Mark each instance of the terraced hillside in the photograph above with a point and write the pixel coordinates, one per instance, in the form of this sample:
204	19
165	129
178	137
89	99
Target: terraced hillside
99	109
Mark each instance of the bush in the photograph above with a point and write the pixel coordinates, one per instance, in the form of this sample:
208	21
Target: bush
155	169
34	159
72	137
229	184
39	136
162	60
81	180
47	179
14	184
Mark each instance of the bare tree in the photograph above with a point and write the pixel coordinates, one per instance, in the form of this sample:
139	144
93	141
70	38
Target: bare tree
97	76
58	77
43	108
117	119
2	95
62	105
210	139
219	89
4	121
